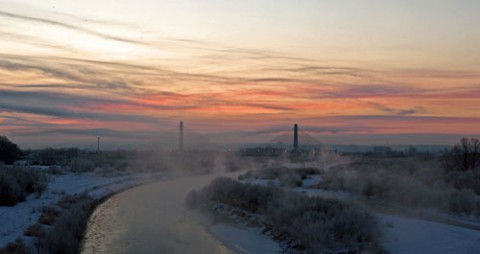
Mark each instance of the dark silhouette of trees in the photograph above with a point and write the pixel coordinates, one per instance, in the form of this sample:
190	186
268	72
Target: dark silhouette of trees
462	165
466	154
9	151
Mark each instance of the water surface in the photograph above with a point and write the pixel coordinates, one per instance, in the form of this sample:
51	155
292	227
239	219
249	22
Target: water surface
151	219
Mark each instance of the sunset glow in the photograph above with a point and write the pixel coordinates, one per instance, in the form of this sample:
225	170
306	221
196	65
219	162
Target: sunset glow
345	71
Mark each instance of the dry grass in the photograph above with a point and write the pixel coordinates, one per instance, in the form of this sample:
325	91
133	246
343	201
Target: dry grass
35	230
49	215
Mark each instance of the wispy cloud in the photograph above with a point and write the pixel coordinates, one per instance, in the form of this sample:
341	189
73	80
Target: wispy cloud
62	106
93	132
68	26
390	110
331	129
243	89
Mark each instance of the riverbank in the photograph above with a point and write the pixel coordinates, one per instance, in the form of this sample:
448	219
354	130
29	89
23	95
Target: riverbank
17	219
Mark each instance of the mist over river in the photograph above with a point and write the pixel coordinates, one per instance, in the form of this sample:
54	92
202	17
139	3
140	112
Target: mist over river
151	219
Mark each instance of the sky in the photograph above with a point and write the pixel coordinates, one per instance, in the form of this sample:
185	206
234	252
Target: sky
236	72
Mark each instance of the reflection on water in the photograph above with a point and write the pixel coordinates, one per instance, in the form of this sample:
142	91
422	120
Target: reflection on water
150	219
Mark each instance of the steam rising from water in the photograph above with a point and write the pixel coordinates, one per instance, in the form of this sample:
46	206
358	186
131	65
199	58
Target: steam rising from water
151	219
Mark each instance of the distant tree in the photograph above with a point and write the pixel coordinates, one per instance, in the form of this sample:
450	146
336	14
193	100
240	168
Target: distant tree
466	154
48	156
9	151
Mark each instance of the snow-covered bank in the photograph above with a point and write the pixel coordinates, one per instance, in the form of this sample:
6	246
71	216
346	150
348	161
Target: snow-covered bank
16	219
423	231
244	240
435	233
410	236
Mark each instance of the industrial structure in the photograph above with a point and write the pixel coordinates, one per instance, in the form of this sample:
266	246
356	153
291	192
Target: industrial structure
98	144
180	137
295	138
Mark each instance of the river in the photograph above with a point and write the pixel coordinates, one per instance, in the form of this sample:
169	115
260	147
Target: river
151	219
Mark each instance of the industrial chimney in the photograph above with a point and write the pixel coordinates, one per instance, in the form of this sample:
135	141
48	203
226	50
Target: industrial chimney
98	144
180	138
295	137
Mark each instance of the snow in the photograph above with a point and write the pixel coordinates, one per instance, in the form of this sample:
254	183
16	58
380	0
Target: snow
312	180
412	236
263	182
404	235
15	220
245	240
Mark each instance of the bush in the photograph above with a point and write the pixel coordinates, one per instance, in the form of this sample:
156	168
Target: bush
17	247
49	215
249	197
461	180
67	232
70	200
288	177
35	230
291	180
81	165
464	203
17	183
306	223
10	190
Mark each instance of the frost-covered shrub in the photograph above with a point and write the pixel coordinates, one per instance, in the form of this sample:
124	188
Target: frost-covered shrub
67	232
409	191
290	180
10	191
81	165
469	179
55	170
269	173
464	203
323	226
407	182
35	230
16	183
288	177
49	215
17	247
313	224
249	197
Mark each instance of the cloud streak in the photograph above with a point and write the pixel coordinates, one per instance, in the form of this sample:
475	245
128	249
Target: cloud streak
214	86
59	105
68	26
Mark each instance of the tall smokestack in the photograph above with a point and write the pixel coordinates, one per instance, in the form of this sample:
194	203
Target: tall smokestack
295	137
180	138
98	144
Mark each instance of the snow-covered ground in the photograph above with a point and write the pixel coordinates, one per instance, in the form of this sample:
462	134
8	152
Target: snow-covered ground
15	220
402	235
410	236
244	240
